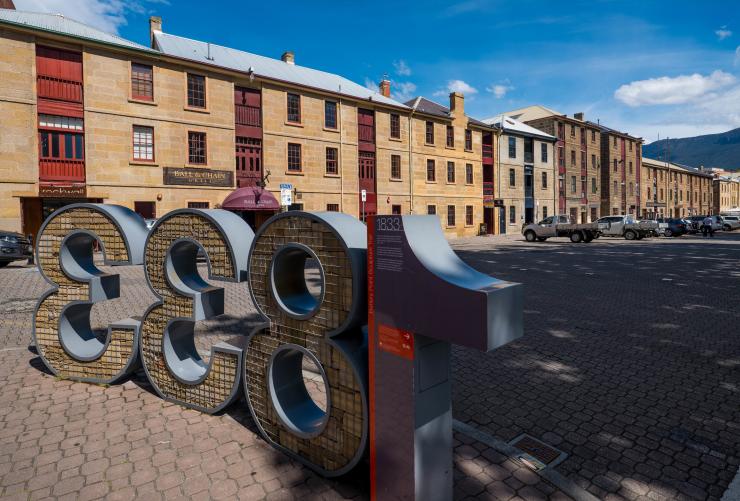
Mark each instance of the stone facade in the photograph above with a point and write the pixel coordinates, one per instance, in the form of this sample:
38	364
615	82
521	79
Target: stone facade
111	111
621	156
669	190
577	154
726	194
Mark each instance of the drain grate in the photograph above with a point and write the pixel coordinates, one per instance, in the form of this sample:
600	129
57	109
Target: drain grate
542	452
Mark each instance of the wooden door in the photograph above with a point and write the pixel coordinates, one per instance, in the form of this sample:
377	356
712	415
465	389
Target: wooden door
367	183
248	161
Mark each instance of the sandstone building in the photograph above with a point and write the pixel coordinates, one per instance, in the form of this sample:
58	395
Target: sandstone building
670	190
90	116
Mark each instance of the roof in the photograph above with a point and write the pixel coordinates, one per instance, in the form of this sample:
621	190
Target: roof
609	130
652	162
531	113
517	127
429	107
262	66
56	23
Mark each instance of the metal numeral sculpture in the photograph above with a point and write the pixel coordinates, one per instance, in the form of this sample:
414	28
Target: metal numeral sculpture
62	333
422	300
168	352
327	329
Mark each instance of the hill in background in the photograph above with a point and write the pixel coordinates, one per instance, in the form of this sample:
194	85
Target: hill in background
712	150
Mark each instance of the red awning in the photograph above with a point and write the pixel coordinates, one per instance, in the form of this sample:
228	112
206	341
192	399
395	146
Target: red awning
250	198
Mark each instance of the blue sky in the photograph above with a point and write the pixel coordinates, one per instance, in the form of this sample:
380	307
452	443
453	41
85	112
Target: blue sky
646	67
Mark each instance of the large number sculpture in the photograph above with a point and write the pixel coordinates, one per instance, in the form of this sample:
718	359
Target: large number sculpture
61	329
168	351
399	273
327	329
423	299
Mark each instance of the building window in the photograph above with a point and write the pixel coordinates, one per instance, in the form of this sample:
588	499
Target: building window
143	143
395	166
573	130
572	184
450	215
468	139
198	205
593	136
332	155
431	174
294	157
512	177
544	180
543	152
197	148
196	91
142	82
593	161
630	143
615	141
630	166
396	210
512	147
468	215
512	214
147	210
572	158
615	165
332	207
544	212
616	188
330	114
593	185
429	133
469	173
294	108
395	126
450	172
450	136
432	210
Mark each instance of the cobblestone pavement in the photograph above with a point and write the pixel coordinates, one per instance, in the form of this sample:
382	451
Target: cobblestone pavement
630	361
65	440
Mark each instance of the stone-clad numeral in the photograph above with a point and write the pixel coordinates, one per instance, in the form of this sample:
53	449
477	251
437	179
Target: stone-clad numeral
325	327
168	351
62	333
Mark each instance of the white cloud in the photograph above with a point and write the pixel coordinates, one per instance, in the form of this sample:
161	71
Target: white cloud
723	33
673	90
402	91
370	84
499	90
106	15
737	56
457	86
402	68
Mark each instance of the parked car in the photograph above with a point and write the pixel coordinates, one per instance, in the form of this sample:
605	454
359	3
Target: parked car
675	227
13	247
731	223
627	227
560	226
718	223
696	223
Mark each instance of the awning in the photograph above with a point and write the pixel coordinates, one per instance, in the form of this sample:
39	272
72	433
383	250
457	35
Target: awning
250	198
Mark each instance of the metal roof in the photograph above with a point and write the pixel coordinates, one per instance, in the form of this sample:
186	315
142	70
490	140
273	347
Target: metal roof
531	113
517	127
225	57
56	23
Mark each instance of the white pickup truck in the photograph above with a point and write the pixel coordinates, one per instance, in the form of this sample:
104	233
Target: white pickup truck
560	226
627	227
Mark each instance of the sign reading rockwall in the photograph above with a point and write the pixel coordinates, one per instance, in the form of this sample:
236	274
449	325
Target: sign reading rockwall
422	299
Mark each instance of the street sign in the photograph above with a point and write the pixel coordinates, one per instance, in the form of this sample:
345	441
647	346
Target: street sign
363	194
286	196
286	186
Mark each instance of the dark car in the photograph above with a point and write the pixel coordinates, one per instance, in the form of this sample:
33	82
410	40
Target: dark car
676	227
13	247
696	223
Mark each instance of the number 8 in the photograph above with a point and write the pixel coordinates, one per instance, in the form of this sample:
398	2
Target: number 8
327	330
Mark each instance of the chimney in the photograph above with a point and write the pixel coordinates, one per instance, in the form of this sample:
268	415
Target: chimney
288	57
7	4
385	87
457	104
578	116
155	24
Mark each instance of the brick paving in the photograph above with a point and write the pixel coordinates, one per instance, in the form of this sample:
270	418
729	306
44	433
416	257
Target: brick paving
630	364
76	441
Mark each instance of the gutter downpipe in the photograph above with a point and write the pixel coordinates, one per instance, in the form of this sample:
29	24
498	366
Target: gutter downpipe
498	177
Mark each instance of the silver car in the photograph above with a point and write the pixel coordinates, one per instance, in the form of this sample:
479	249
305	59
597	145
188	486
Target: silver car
730	223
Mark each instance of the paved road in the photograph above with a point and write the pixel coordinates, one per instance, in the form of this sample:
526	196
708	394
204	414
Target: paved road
630	365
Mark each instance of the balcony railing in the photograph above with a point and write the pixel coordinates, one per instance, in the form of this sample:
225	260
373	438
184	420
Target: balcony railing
59	89
528	157
487	151
248	115
488	188
58	169
366	133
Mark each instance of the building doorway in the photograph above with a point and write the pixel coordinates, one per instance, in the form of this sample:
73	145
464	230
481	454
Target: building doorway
489	219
